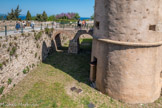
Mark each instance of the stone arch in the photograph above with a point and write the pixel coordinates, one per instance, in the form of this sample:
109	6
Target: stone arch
74	43
59	39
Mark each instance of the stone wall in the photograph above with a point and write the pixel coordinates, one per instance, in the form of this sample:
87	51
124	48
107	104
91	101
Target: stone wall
21	53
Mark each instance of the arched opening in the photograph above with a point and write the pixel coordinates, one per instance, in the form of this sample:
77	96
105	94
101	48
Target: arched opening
61	41
85	43
58	42
82	42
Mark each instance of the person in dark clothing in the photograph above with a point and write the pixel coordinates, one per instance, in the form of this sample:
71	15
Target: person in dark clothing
79	24
17	26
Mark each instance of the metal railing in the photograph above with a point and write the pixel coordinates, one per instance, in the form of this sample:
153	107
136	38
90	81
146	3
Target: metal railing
11	29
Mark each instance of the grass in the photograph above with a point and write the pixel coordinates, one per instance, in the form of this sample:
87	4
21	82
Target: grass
1	89
48	86
85	44
38	36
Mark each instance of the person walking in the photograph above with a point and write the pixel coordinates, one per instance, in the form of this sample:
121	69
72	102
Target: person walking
17	27
79	24
32	25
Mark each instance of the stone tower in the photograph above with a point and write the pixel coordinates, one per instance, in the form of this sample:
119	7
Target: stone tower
126	52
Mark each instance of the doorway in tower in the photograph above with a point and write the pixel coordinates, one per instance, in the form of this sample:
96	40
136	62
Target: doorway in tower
93	72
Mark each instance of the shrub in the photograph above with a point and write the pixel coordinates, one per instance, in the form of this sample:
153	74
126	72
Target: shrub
9	81
47	30
1	65
33	65
1	89
35	55
13	51
37	36
24	71
4	45
27	69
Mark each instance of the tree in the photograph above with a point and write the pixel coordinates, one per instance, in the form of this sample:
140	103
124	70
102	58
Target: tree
17	12
52	18
14	14
77	16
33	18
28	16
39	17
44	16
1	17
92	17
11	15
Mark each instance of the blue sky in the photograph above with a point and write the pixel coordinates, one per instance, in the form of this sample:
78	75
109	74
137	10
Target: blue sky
84	7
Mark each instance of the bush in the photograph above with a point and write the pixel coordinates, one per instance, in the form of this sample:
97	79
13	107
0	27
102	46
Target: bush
1	89
9	81
37	36
24	71
27	69
13	51
1	65
35	55
47	30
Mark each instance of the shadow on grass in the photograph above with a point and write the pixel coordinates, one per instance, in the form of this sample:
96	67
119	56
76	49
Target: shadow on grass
75	65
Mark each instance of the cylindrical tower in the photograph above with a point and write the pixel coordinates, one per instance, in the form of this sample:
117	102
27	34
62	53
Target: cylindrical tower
128	69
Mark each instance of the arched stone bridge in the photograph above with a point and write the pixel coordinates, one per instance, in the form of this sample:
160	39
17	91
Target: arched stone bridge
72	36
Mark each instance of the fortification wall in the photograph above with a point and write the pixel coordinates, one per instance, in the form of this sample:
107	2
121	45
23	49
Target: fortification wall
20	54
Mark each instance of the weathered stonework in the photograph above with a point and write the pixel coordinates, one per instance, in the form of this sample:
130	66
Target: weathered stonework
74	43
20	54
128	73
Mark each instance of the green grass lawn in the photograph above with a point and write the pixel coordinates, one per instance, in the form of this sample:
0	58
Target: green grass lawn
48	86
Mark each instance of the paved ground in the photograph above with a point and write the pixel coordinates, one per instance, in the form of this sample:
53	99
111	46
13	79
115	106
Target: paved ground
29	29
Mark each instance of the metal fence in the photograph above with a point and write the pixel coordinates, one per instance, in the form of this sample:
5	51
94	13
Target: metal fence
11	29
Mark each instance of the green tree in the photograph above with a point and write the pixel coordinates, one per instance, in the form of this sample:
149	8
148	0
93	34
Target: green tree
92	17
52	18
39	17
77	16
33	18
17	12
1	17
28	16
11	15
14	14
44	16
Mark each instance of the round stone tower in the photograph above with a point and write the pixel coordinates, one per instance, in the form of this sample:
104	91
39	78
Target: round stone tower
126	51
